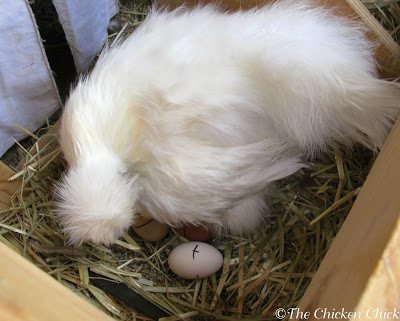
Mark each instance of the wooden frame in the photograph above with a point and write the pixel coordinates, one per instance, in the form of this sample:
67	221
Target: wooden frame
28	293
361	270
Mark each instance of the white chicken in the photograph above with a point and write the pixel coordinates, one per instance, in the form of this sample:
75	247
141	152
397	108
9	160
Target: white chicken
194	116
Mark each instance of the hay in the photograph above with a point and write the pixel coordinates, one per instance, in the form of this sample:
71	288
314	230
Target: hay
387	12
261	272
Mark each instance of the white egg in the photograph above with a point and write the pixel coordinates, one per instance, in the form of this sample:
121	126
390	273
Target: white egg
195	260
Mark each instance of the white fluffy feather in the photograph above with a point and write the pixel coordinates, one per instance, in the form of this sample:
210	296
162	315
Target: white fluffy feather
207	109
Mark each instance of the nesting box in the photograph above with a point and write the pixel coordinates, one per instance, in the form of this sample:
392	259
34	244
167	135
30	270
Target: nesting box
360	272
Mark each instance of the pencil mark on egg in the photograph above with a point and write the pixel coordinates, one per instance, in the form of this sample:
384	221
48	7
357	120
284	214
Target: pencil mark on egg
143	224
194	250
187	261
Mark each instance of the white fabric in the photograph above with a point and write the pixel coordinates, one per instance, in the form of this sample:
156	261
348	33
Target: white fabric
85	26
28	93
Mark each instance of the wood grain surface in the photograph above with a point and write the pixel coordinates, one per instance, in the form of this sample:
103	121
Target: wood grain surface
29	294
361	270
26	292
7	189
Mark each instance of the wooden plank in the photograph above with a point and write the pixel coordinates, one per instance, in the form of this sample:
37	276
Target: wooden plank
387	52
385	280
7	189
361	269
26	292
29	294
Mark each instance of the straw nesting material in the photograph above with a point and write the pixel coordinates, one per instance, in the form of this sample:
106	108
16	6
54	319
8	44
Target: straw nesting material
261	272
387	12
264	271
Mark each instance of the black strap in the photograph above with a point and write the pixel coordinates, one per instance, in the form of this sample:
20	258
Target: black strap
127	295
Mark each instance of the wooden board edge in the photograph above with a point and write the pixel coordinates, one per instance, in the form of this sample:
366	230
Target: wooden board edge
7	189
364	257
384	283
27	293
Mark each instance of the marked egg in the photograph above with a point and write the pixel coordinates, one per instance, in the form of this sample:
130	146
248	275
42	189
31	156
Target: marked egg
196	233
195	260
149	229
